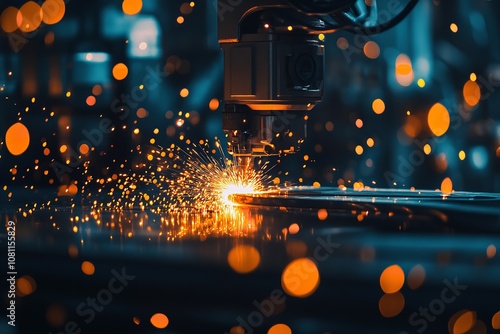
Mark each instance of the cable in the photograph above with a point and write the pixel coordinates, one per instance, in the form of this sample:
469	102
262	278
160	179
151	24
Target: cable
351	24
357	28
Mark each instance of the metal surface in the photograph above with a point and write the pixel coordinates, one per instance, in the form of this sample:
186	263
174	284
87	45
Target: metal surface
182	263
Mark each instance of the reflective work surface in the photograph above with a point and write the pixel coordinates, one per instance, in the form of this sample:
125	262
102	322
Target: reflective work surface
311	260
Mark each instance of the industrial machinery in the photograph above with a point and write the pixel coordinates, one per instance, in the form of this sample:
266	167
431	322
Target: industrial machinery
274	65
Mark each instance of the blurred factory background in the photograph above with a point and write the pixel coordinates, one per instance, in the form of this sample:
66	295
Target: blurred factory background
416	106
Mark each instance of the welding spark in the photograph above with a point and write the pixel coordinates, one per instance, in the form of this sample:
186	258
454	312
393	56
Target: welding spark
197	177
206	177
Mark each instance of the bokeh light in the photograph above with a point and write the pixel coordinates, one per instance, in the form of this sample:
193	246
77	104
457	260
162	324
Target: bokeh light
495	321
29	16
26	285
462	321
53	11
416	277
300	278
378	106
131	7
120	71
84	148
392	279
17	139
391	304
280	329
243	258
472	93
88	268
322	214
446	186
91	101
404	70
491	251
8	20
159	320
294	228
213	104
438	119
462	155
371	50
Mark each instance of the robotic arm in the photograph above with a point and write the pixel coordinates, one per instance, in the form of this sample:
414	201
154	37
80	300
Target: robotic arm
274	66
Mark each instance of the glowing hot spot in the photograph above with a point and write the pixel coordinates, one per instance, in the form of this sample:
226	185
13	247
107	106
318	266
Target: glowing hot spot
233	189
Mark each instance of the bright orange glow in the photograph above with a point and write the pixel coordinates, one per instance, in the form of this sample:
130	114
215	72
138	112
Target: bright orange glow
184	92
464	322
370	142
446	186
159	320
392	279
390	305
454	27
359	150
243	258
29	16
404	70
8	20
300	278
90	100
378	106
180	19
491	251
279	329
88	268
359	123
131	7
438	119
472	93
294	228
17	139
371	50
84	149
214	104
53	11
416	277
120	71
495	321
322	214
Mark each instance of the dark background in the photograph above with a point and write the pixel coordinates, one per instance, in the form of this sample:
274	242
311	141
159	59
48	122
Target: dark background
50	61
